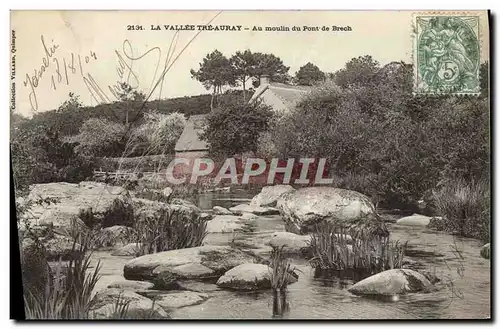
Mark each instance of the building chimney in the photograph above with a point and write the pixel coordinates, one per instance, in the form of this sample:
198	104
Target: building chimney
264	80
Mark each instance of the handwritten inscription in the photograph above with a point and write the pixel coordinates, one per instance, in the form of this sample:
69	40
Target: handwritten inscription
61	69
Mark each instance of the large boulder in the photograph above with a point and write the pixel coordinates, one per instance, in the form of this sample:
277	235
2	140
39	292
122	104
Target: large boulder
90	202
249	277
196	263
257	210
269	195
145	208
175	299
246	277
414	220
104	303
485	251
218	210
391	282
225	224
304	208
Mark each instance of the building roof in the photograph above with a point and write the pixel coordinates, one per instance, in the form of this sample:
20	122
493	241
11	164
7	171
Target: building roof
289	95
189	140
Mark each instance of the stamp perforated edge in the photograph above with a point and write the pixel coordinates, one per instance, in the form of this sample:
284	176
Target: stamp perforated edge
415	41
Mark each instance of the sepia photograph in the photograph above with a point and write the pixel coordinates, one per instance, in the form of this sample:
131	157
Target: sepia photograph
250	165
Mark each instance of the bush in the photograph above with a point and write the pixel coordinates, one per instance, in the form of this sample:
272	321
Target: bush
235	126
41	156
465	208
160	131
101	137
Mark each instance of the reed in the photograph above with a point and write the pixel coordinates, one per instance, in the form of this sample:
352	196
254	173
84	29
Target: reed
169	229
368	250
282	272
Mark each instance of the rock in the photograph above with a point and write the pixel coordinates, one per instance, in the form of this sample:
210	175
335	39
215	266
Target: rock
178	299
414	220
248	277
485	251
205	217
131	249
197	286
225	224
248	216
311	205
186	264
115	235
257	210
131	285
104	304
269	195
221	211
391	282
292	243
63	248
91	202
153	209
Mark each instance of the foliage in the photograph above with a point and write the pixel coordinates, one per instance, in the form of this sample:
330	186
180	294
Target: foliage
234	127
161	131
169	229
381	140
68	295
357	72
309	74
465	207
215	72
41	156
100	137
367	250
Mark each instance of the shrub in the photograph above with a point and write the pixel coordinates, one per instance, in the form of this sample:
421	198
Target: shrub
465	207
235	126
160	131
101	137
41	156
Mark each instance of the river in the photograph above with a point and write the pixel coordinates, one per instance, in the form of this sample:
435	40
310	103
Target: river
464	288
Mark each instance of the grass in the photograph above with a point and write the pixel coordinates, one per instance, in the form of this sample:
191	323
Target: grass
465	207
169	229
369	251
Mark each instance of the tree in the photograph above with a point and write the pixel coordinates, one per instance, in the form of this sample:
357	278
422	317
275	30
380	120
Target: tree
132	99
271	65
235	126
215	72
358	71
244	67
309	74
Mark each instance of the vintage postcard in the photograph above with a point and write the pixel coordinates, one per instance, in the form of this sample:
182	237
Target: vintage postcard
330	165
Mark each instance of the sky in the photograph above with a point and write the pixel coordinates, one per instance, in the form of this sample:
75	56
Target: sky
89	52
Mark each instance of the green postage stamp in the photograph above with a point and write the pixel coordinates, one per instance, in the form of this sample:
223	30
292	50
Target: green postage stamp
447	54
